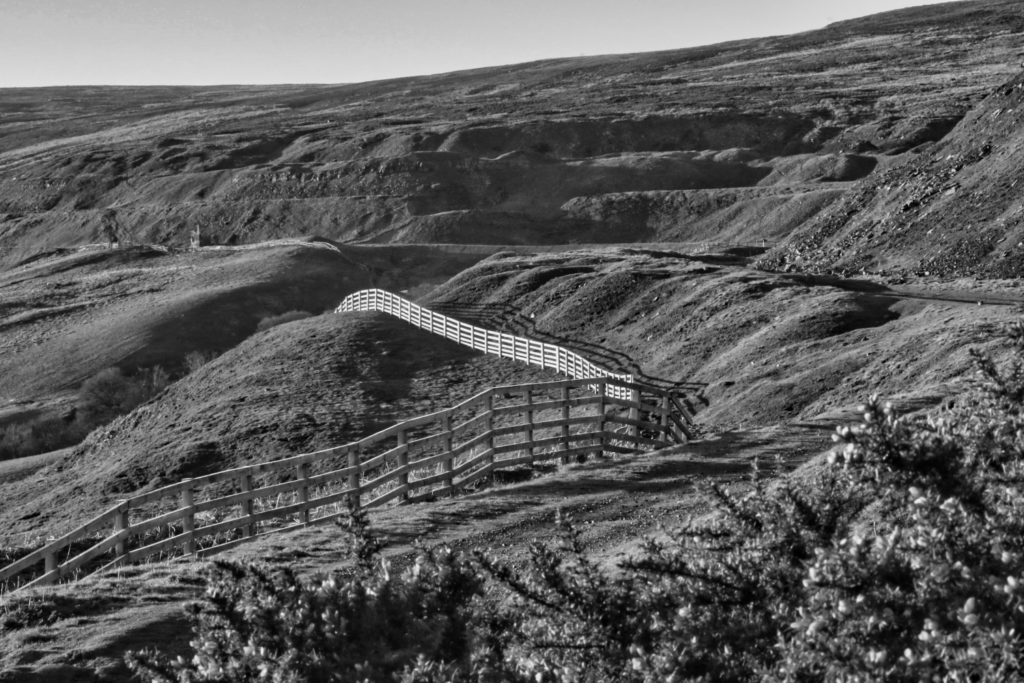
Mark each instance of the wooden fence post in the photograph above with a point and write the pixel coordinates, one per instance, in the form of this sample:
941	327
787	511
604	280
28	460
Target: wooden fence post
50	564
249	530
448	463
602	387
529	422
666	424
304	492
565	428
489	426
634	413
353	478
403	465
189	519
120	524
682	432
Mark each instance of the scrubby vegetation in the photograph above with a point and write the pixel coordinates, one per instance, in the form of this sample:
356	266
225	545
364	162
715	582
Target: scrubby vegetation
111	392
108	394
39	436
370	625
900	559
104	396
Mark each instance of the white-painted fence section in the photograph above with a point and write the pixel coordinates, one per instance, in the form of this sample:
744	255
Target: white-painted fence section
523	349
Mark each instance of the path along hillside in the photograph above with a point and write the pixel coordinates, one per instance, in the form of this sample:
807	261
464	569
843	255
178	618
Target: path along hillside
768	348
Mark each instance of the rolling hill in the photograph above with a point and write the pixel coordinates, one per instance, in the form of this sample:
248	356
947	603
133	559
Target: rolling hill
779	227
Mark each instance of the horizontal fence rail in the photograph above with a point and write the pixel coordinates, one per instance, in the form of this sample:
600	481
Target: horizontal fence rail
422	458
531	351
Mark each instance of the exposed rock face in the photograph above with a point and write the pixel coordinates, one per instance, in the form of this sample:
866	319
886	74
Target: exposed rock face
954	208
747	216
769	134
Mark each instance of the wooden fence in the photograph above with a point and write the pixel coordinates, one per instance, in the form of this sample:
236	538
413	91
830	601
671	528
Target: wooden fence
501	344
419	459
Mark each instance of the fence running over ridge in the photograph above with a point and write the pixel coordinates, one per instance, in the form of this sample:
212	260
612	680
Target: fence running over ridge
501	344
419	459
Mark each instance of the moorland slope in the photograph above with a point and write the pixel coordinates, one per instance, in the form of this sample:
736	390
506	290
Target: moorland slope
873	161
952	209
740	141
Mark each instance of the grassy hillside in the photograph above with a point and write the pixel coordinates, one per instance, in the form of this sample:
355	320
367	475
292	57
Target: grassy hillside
778	227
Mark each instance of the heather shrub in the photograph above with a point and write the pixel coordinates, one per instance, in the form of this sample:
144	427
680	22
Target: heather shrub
708	601
901	562
930	586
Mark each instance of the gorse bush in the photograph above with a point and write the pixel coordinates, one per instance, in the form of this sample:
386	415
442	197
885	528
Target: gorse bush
369	625
901	559
711	601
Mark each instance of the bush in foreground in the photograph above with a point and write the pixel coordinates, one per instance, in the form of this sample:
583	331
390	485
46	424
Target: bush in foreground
902	561
370	625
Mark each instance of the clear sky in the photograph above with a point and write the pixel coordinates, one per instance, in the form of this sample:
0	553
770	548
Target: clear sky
201	42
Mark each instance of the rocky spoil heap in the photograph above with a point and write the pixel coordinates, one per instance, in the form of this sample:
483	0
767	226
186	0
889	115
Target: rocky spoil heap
503	154
952	209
